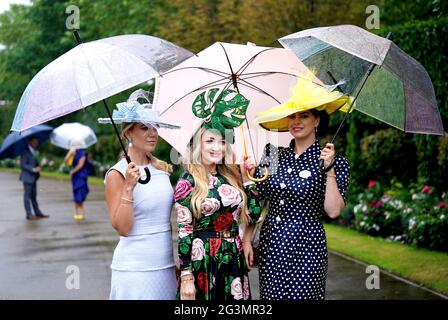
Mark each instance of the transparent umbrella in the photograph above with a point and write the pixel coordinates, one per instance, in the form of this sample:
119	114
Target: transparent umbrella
73	135
388	84
94	71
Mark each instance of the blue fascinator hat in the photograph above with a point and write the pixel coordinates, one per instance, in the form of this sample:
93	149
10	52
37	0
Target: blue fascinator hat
134	111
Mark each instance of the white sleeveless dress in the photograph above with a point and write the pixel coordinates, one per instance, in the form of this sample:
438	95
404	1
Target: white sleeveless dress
143	265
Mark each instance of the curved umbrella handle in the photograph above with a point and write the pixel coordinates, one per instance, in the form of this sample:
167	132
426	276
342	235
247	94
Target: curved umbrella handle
147	179
326	169
148	174
264	177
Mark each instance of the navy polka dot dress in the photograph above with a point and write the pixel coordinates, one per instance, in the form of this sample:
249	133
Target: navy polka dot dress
293	249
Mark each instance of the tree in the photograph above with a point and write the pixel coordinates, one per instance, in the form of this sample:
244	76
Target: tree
32	37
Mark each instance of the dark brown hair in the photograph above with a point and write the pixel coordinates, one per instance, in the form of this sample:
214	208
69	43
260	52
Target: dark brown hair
322	128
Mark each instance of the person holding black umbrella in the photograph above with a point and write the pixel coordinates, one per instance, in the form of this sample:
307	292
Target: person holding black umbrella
143	265
29	175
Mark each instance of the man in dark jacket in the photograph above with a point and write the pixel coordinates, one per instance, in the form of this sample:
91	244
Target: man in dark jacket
29	175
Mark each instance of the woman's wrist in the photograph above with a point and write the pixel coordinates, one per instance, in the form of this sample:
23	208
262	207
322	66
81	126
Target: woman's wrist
128	189
187	277
125	200
331	173
186	272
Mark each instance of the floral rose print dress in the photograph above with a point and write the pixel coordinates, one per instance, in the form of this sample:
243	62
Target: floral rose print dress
217	263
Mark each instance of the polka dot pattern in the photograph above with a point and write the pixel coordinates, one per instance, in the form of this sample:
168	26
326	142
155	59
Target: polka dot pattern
293	249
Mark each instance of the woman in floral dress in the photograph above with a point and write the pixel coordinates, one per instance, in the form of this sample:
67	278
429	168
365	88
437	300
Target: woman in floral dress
210	201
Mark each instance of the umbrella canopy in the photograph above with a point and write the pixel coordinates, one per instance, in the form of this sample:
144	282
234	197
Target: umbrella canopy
16	142
398	92
263	75
73	135
93	71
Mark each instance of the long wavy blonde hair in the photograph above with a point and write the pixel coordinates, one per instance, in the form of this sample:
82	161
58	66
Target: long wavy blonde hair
157	163
231	173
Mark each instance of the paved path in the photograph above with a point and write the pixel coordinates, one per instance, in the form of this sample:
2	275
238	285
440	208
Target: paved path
35	254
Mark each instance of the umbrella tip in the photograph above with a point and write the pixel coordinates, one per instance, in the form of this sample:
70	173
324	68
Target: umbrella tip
78	38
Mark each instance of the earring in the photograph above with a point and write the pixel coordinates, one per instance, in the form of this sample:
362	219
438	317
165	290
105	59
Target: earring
130	142
315	129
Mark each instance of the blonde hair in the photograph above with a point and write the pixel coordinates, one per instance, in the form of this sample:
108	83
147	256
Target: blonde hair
157	163
193	165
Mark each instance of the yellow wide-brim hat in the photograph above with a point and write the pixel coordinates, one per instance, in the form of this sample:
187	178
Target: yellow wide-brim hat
306	95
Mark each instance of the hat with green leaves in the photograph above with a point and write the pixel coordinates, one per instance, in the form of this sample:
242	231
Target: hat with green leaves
221	112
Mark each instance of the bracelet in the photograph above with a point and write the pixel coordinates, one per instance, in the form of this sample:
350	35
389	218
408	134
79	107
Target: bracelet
185	281
128	200
186	272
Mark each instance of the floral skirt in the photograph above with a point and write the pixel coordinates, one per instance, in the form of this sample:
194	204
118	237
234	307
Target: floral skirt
219	269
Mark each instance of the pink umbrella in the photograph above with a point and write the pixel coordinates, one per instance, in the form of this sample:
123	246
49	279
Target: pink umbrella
262	75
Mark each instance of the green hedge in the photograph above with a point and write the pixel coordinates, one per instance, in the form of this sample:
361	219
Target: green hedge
426	42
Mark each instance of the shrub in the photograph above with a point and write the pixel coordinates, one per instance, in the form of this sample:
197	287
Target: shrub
376	213
427	224
417	215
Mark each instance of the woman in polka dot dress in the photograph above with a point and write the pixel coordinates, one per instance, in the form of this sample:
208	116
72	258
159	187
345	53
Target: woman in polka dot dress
293	253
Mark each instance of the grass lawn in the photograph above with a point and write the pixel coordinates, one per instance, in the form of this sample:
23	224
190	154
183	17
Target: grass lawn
422	266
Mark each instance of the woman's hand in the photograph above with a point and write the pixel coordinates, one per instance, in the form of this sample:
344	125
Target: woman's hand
248	165
132	175
187	288
248	254
327	154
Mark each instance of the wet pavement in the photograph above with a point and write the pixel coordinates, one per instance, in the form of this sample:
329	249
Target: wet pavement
39	259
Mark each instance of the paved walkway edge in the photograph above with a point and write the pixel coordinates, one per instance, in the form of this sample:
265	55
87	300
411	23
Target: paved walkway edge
390	274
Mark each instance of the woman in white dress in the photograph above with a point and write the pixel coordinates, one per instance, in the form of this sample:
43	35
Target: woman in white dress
143	265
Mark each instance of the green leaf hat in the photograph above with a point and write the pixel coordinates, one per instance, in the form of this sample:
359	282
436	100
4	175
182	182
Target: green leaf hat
224	113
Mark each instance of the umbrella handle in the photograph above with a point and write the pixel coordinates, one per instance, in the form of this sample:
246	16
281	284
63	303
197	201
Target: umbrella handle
264	177
324	169
147	179
148	174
